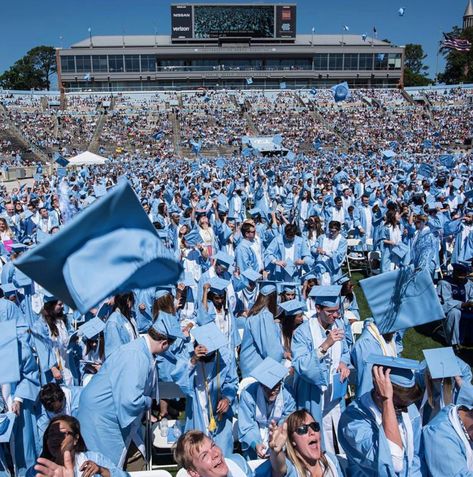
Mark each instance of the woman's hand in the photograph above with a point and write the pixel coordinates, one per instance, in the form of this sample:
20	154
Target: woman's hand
56	373
48	468
382	383
90	468
277	436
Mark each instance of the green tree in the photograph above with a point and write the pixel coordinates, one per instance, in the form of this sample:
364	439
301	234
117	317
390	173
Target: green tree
459	64
415	72
32	71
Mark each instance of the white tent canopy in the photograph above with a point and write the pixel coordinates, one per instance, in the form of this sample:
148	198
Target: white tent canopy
86	158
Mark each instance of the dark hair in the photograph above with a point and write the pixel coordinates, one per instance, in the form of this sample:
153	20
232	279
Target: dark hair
47	312
156	336
53	429
406	396
265	301
120	303
391	218
288	326
49	394
245	228
335	224
164	303
290	230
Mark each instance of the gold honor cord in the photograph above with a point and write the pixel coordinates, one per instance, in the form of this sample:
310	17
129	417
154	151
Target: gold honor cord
212	422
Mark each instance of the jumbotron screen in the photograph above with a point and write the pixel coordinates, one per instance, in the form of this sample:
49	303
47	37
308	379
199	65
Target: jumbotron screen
201	21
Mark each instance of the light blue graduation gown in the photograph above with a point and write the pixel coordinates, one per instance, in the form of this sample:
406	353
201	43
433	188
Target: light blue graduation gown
245	256
248	427
425	251
27	444
116	398
222	383
261	338
452	308
333	265
463	249
312	372
115	333
366	445
365	345
277	251
444	451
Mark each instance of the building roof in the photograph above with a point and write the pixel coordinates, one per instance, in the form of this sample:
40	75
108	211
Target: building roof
111	41
469	9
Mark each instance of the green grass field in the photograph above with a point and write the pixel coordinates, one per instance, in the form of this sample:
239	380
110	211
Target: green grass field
416	339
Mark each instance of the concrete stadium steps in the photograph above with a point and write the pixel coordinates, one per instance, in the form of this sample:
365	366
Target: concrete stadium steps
16	134
176	133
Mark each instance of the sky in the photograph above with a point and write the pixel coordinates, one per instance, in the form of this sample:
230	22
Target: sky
25	24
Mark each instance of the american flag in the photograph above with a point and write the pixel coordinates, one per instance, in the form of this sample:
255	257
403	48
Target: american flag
457	44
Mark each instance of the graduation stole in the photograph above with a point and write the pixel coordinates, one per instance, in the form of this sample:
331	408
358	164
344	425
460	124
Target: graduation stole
212	422
388	349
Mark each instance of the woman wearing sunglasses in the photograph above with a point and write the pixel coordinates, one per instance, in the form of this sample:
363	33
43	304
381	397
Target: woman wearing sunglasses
300	434
64	451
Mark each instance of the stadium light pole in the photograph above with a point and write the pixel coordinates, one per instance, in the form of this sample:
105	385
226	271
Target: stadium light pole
90	36
312	38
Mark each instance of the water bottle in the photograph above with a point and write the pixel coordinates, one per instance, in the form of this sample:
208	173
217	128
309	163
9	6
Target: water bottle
163	427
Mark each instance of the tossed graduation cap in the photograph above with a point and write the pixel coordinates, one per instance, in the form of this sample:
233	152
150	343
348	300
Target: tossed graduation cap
326	295
442	362
402	369
58	159
269	372
86	261
469	194
218	285
168	325
193	238
209	336
251	275
293	307
9	360
7	421
402	299
91	328
224	259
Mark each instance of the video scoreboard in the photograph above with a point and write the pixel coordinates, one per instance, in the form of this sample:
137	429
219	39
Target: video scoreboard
213	21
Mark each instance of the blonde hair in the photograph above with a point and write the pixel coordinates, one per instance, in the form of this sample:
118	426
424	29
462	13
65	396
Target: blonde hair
447	389
186	446
295	420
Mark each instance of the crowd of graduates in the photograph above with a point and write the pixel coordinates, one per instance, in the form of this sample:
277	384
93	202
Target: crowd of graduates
214	293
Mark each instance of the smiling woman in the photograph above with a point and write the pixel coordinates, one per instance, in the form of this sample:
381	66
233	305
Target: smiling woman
300	434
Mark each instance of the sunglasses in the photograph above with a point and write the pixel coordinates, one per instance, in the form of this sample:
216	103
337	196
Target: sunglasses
304	429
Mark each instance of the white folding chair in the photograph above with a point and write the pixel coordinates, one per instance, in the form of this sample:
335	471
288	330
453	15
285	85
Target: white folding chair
151	473
159	441
254	464
354	257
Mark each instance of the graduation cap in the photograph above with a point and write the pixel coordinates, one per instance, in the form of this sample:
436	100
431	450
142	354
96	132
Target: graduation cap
269	372
469	195
341	92
267	287
402	299
388	154
343	279
293	307
402	369
251	275
9	288
91	328
457	183
7	421
209	336
426	170
168	325
442	363
218	285
224	259
63	162
193	238
9	360
109	248
326	295
400	250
